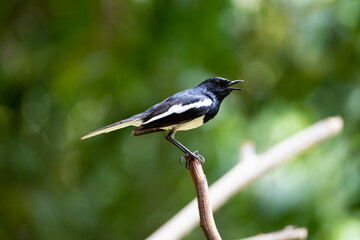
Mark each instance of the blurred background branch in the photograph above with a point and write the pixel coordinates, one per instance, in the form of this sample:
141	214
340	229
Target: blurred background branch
247	171
288	233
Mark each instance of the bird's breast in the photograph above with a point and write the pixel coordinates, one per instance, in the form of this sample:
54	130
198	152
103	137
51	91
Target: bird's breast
197	122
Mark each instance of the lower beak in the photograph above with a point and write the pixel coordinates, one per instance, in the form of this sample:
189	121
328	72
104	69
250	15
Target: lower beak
233	83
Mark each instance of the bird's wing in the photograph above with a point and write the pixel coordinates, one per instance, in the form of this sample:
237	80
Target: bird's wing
178	108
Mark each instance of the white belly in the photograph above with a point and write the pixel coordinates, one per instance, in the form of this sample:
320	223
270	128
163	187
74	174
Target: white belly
197	122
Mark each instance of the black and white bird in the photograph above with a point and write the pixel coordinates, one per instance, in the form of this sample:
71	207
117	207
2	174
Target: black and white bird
182	111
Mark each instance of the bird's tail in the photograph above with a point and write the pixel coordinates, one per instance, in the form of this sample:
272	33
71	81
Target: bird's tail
136	120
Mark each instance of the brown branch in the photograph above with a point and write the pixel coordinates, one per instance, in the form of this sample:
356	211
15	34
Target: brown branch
207	221
288	233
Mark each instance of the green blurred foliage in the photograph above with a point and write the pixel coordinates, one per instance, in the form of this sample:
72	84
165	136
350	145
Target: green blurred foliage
69	67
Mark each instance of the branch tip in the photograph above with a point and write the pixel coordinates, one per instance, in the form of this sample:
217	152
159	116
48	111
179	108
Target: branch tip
335	124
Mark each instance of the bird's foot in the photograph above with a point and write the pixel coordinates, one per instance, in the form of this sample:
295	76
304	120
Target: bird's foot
190	155
199	157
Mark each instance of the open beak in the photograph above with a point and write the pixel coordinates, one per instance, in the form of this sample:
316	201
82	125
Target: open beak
234	82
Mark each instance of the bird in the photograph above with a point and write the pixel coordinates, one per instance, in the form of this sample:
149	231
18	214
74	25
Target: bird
182	111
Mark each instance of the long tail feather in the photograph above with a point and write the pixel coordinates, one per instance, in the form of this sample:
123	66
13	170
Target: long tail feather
132	121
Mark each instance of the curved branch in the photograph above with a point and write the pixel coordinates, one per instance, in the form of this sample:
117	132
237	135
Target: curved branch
207	221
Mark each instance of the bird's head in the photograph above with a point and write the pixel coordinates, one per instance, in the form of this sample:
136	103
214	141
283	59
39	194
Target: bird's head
220	87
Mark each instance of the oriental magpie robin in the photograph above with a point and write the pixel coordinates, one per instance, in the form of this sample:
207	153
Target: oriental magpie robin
184	110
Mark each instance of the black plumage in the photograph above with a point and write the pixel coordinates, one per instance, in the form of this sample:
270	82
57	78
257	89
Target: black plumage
182	111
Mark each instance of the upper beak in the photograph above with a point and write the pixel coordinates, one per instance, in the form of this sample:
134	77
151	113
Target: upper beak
234	82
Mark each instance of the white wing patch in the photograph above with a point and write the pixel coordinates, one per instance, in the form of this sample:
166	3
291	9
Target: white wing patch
180	109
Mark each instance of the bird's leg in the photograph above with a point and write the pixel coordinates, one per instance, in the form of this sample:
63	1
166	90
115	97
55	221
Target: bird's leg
170	136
